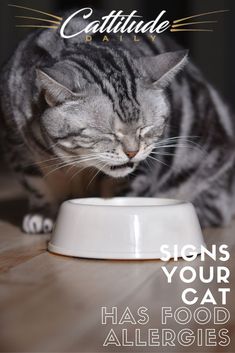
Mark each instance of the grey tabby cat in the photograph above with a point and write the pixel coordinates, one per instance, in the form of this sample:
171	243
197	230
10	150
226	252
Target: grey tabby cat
137	111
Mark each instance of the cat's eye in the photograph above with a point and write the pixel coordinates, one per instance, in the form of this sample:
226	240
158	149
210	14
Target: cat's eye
146	130
110	136
119	135
66	143
138	132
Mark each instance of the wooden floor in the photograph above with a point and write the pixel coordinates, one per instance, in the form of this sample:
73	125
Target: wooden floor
52	303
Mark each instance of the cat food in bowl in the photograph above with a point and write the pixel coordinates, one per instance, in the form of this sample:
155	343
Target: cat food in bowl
124	228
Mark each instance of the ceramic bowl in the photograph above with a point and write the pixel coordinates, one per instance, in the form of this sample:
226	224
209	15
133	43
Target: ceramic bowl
125	228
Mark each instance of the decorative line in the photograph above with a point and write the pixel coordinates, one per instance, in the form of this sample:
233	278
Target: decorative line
38	19
192	23
190	30
201	14
29	8
35	26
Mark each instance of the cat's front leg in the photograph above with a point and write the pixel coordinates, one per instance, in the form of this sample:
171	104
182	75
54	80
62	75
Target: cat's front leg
36	223
42	206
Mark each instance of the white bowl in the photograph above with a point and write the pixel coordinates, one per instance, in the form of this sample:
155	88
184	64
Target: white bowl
124	228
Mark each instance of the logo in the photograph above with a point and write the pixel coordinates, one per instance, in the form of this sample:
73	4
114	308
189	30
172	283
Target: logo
117	22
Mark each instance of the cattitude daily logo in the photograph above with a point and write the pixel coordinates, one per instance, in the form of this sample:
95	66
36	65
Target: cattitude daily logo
117	22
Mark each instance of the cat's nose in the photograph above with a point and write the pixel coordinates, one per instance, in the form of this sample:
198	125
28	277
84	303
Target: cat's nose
131	154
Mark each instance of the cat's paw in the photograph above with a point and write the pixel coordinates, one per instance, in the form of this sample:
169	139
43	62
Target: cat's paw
35	223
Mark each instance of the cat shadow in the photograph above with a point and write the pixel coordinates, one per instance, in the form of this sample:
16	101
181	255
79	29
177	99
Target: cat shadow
13	210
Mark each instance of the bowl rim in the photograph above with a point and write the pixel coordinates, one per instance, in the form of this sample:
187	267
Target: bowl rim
107	202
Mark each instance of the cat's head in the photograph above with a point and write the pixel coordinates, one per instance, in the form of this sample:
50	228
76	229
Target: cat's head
107	111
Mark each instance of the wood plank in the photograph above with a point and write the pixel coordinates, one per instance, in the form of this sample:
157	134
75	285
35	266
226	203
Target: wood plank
62	298
16	247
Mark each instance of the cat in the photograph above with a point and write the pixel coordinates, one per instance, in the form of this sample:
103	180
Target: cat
139	117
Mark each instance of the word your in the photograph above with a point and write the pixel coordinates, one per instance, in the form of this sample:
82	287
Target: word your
116	22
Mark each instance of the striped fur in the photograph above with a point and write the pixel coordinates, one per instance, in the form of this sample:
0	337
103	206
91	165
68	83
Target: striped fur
70	106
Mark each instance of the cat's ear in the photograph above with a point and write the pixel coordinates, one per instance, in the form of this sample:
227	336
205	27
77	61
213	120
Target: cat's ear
162	68
55	92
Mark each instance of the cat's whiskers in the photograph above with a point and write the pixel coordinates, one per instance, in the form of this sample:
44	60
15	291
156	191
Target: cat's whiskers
173	167
177	143
41	162
82	160
171	145
99	170
179	138
163	153
47	162
69	163
75	160
80	170
147	163
159	161
151	162
70	168
77	172
52	159
60	158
